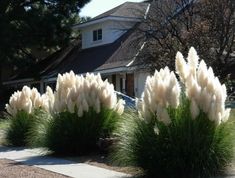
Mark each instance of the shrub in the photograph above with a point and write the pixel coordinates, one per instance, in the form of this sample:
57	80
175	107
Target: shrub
24	108
72	135
187	135
36	134
18	127
84	109
17	132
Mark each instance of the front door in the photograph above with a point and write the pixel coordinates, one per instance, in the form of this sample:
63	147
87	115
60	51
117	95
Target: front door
130	85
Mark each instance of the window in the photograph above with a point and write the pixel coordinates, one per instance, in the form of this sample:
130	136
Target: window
97	35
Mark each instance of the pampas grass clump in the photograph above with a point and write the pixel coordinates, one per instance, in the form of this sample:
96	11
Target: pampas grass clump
23	108
83	109
179	135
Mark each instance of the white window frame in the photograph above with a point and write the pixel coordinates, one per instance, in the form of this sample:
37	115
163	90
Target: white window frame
97	34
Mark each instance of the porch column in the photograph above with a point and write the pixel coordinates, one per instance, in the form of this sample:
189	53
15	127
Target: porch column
123	85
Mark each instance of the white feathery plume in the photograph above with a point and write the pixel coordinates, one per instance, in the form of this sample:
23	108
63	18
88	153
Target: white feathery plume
120	106
194	109
193	61
181	66
84	93
26	100
164	116
158	95
203	88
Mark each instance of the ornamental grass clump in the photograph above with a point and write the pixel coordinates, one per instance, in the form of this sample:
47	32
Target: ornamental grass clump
203	89
85	109
179	132
162	91
23	108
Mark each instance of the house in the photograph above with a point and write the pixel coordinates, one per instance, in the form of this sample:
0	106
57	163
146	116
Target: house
110	46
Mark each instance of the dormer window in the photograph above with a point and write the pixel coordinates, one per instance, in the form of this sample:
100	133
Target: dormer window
97	35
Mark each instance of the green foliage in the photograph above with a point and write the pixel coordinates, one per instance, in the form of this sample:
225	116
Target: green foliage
18	127
185	148
4	123
36	133
31	29
68	134
16	133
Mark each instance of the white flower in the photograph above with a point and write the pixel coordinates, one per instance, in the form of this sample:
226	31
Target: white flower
120	106
194	90
175	95
85	105
84	93
161	91
226	115
203	88
164	116
202	74
205	100
26	91
71	106
50	99
194	109
193	61
181	66
145	113
26	100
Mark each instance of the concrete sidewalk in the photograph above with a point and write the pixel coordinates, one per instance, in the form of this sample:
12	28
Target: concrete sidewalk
37	157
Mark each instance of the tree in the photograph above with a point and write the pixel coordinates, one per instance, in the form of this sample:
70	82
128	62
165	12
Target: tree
176	25
32	29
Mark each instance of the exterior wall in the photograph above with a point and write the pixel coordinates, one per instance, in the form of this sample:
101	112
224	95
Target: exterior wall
139	82
133	83
111	31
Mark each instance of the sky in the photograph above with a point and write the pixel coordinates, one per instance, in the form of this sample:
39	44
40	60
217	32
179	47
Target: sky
96	7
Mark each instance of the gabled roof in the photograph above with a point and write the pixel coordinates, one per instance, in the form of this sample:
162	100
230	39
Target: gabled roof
128	11
48	64
97	59
120	54
100	58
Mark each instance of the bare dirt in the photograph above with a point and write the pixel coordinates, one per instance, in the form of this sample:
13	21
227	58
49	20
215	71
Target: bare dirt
12	169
